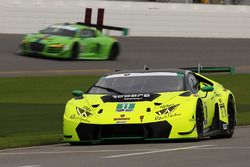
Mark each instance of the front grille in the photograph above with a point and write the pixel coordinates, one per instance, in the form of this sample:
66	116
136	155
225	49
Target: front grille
54	50
122	130
23	46
37	47
147	130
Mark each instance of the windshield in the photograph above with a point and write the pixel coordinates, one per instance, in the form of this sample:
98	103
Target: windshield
138	83
60	31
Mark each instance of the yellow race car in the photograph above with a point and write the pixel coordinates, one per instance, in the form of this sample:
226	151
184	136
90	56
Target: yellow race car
150	105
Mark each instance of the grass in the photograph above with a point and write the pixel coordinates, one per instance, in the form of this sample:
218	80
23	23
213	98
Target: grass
31	108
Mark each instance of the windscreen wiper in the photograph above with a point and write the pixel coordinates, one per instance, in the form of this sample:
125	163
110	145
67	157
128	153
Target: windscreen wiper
108	89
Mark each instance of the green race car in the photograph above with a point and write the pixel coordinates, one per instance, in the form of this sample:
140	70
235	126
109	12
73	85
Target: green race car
150	105
70	41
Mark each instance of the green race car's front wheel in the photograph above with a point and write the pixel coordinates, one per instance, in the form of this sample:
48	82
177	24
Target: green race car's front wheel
75	51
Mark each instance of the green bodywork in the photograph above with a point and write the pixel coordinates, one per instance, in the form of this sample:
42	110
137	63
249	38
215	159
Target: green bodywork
81	45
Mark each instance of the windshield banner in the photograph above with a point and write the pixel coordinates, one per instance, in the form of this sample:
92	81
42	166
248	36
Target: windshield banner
130	97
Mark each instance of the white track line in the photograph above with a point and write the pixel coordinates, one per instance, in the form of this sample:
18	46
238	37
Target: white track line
30	166
157	151
223	148
32	147
72	152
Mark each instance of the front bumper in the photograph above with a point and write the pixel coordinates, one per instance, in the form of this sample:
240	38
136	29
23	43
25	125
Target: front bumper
117	131
162	130
44	51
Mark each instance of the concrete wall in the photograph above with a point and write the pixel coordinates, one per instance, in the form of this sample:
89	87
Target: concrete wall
143	18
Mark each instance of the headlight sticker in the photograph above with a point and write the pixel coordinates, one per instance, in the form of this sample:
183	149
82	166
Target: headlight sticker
167	111
85	111
79	118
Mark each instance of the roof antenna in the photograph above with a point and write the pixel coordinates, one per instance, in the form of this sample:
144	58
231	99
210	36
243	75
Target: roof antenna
145	67
199	68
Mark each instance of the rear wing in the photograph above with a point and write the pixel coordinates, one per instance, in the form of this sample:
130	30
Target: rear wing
100	19
124	30
200	69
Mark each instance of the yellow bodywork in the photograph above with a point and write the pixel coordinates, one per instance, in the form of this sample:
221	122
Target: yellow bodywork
181	118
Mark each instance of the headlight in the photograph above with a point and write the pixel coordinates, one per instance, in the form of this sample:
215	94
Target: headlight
169	109
56	45
66	47
83	112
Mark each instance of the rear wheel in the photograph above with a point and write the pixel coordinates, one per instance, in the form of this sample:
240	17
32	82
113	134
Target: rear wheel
75	51
231	117
231	120
199	119
114	52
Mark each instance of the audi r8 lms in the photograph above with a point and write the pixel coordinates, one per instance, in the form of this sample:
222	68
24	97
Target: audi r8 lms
150	105
73	41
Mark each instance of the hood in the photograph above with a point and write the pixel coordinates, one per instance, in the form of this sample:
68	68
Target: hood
45	38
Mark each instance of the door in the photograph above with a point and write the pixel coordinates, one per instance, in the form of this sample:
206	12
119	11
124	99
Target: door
207	100
89	43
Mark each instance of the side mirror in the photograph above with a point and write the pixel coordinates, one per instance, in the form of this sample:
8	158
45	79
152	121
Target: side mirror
207	88
77	93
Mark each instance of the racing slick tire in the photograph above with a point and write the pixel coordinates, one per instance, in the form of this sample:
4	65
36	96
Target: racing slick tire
199	120
231	120
231	117
114	52
74	51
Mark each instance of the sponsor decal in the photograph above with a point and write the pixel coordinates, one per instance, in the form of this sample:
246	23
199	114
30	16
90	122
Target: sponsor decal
212	98
79	118
122	118
223	110
217	94
82	48
143	74
121	122
224	126
158	118
206	114
127	107
130	97
141	117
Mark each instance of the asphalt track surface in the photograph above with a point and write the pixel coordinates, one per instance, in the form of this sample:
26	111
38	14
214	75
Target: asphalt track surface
155	52
136	51
234	152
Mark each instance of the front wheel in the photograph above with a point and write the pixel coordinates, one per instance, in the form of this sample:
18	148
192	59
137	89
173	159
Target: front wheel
74	51
199	120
